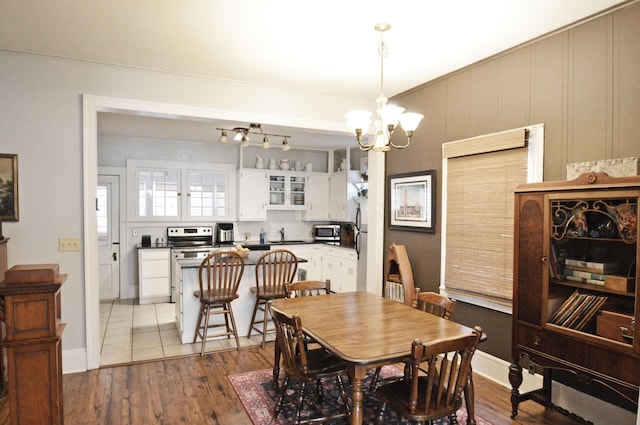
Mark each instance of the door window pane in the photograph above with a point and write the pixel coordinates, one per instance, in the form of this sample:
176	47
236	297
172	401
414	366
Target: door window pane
102	215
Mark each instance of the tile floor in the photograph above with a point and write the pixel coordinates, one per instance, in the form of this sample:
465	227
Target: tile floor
132	332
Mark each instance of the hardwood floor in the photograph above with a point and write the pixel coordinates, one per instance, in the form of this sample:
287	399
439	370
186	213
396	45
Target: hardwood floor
194	390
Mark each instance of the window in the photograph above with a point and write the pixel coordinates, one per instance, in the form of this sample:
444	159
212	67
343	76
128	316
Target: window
157	190
102	216
158	193
480	176
207	194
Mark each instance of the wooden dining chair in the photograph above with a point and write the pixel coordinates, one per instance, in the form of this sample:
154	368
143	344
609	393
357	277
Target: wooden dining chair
437	394
274	270
305	366
438	304
302	288
219	277
305	288
429	302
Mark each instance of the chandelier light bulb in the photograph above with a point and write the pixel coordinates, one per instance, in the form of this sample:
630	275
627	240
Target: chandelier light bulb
223	137
265	143
285	145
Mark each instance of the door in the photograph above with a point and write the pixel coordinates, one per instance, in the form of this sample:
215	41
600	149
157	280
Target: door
108	218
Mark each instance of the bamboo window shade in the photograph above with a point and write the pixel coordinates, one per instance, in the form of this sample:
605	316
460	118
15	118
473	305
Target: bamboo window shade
482	174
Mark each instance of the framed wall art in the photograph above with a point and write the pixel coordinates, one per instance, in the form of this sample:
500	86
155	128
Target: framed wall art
8	187
412	201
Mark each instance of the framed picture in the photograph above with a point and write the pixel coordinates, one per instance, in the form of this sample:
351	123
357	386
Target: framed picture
412	201
8	187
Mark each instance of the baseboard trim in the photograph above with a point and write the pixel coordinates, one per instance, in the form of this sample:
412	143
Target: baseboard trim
74	361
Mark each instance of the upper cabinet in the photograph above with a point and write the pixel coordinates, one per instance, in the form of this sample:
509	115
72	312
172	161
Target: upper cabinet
287	190
318	203
160	191
342	205
252	195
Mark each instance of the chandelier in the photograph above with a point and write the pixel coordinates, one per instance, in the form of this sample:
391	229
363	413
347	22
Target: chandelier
241	134
388	115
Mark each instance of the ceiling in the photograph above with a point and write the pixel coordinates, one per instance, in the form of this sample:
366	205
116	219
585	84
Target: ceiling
325	46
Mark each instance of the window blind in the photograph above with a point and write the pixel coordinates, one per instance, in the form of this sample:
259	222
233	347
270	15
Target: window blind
481	176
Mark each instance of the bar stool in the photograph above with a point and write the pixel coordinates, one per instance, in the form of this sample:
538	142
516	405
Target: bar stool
219	278
274	270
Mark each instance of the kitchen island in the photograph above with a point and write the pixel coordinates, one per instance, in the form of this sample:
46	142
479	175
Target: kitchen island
185	276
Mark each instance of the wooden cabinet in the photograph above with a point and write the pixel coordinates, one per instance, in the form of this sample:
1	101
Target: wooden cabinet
154	275
575	268
31	318
252	195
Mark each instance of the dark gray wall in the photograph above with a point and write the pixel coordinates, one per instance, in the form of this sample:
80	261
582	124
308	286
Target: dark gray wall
582	83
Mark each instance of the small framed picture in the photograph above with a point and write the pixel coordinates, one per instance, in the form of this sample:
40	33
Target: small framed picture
8	187
412	201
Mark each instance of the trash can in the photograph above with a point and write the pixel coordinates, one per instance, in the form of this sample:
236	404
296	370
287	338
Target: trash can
302	274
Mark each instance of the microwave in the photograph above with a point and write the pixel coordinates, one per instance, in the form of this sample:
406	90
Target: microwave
326	232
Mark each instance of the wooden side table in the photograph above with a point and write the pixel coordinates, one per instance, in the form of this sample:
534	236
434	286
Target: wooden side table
31	315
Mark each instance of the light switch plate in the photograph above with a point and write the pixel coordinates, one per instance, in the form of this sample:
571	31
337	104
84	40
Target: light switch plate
68	244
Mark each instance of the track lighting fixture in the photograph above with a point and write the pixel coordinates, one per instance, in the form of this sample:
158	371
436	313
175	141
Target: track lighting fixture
241	134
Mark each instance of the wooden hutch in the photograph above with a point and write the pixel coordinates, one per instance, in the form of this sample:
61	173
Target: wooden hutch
32	343
575	299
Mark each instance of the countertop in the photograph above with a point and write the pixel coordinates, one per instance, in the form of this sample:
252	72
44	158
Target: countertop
250	260
256	246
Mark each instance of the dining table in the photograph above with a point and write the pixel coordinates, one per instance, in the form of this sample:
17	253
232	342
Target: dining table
365	331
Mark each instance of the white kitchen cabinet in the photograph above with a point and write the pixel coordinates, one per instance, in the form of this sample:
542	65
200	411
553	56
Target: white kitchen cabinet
341	266
252	195
349	270
311	253
338	196
154	275
342	193
319	197
287	190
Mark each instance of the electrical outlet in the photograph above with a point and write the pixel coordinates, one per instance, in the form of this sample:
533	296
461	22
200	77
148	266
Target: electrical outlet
247	236
134	232
68	244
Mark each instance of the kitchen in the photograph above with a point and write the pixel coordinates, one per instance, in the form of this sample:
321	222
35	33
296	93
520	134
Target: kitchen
119	148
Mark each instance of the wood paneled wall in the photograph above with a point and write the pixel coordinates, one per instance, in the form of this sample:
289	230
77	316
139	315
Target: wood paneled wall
582	83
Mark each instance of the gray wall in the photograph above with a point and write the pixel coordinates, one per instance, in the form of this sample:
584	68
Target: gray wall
582	83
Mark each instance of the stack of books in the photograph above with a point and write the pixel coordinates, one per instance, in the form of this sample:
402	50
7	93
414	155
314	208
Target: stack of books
578	310
589	271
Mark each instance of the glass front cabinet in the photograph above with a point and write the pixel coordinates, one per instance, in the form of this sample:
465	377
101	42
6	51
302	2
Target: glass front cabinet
287	191
575	301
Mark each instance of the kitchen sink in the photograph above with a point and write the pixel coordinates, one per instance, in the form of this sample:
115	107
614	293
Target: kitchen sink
290	242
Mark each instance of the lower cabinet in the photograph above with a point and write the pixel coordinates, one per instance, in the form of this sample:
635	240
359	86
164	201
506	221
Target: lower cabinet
311	253
341	266
154	276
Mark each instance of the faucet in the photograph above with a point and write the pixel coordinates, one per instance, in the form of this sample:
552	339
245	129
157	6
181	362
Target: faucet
281	231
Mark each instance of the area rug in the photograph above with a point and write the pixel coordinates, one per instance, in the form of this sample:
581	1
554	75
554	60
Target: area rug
254	389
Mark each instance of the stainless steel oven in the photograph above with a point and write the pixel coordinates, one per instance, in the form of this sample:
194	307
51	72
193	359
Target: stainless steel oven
190	243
